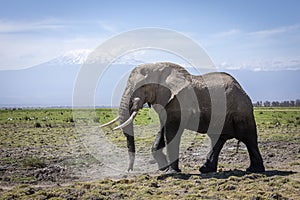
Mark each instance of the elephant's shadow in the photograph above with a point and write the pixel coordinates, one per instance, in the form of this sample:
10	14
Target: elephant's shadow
227	174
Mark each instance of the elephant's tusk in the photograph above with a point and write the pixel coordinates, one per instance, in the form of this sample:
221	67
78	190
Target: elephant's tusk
111	122
127	122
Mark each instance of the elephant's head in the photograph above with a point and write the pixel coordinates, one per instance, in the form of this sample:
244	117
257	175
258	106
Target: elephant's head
154	84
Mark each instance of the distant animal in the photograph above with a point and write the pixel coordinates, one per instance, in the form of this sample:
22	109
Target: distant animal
183	101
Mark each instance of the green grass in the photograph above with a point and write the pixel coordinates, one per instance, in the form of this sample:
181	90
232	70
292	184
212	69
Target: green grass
278	124
242	186
32	115
269	117
33	162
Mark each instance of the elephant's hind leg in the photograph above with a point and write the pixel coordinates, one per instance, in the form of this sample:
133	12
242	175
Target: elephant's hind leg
256	161
247	133
217	143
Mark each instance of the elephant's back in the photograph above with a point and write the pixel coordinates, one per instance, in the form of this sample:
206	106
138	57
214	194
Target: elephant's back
238	100
219	79
235	94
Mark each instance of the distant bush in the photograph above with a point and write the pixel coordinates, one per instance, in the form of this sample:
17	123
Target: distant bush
37	125
96	119
69	119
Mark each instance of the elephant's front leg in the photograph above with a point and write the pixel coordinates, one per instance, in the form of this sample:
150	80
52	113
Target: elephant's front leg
157	151
172	140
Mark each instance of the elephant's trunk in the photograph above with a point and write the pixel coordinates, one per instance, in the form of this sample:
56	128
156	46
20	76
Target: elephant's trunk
124	113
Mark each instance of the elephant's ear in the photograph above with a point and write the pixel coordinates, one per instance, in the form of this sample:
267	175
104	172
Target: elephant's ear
177	80
172	78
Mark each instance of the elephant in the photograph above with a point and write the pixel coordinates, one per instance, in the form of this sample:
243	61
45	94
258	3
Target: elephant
184	101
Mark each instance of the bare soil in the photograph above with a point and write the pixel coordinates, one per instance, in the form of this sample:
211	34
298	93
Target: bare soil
280	157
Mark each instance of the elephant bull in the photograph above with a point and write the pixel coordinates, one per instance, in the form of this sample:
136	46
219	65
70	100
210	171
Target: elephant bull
184	101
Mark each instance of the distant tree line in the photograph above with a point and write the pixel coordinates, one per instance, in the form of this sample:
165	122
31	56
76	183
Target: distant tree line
291	103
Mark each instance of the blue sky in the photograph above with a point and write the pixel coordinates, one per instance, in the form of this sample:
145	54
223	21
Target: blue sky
255	35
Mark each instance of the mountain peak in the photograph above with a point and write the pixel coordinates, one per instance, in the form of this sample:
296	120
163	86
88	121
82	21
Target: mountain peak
73	57
79	56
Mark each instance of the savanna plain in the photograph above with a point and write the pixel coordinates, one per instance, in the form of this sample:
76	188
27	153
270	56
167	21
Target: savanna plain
43	156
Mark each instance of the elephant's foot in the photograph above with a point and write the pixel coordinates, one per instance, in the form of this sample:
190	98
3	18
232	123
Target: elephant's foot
161	161
164	169
170	170
256	169
162	164
207	168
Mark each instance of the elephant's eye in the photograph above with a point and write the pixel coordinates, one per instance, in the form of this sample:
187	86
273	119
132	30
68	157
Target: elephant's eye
143	72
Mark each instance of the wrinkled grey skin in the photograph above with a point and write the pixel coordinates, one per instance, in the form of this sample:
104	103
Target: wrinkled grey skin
182	101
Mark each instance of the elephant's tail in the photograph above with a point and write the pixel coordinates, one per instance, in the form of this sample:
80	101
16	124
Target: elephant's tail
237	146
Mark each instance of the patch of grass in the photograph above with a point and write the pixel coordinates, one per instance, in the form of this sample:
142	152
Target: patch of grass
268	117
33	162
279	136
294	163
29	179
172	187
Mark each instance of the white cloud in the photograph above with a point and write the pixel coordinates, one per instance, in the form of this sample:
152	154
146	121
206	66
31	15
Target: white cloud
268	49
263	65
229	33
19	51
225	65
28	43
107	26
275	31
20	26
239	49
8	26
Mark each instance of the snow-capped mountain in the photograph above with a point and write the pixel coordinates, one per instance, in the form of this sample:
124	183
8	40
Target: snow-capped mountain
80	56
73	57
